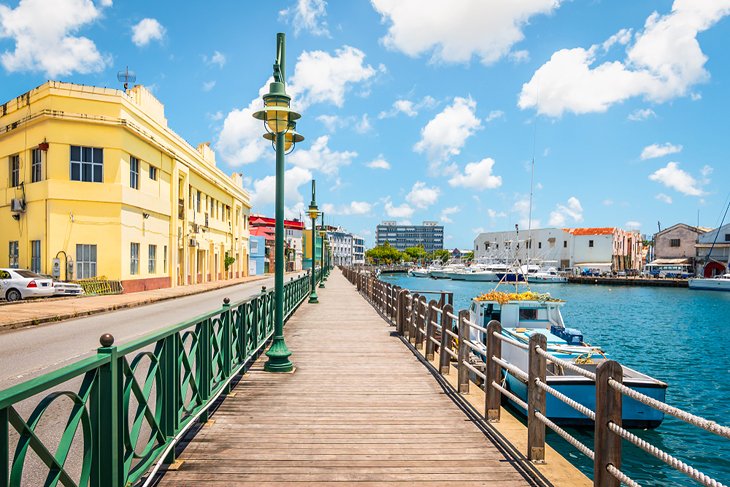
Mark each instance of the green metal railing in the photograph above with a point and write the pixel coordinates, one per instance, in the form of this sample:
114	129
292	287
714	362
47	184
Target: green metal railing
135	399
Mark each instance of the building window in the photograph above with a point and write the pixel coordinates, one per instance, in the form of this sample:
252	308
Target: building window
539	245
152	261
134	259
164	259
153	173
35	256
590	243
674	242
727	237
14	166
13	254
85	261
36	167
565	244
197	205
133	172
87	164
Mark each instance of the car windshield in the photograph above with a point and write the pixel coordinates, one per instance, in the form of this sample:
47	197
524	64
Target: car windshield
30	274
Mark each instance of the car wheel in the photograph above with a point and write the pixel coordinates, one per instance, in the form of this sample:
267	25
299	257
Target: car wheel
13	295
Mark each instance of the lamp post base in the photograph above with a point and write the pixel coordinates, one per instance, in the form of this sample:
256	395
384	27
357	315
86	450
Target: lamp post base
278	355
321	284
313	298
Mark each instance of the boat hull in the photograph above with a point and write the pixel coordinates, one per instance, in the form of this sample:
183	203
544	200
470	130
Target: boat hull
418	274
634	413
511	277
480	277
438	274
555	279
710	284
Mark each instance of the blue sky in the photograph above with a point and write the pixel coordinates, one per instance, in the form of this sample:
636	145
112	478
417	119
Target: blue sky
423	109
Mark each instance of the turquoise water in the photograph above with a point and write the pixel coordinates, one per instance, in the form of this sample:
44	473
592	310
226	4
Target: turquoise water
675	335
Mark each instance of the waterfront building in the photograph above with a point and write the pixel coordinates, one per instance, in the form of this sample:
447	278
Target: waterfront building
95	178
358	250
258	260
713	252
459	253
341	244
293	239
675	247
606	249
430	235
307	244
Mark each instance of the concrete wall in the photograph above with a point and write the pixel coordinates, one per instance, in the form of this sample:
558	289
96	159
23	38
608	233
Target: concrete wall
687	236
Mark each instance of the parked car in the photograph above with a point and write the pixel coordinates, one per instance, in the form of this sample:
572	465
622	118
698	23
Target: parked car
17	284
61	288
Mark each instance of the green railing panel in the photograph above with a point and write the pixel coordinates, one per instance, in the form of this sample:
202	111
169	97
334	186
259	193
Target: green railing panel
133	400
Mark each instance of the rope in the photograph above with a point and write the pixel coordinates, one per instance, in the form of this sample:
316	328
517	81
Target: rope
621	477
453	354
475	370
570	402
511	368
507	393
517	344
436	342
665	457
566	364
566	436
451	334
452	316
473	346
474	325
698	421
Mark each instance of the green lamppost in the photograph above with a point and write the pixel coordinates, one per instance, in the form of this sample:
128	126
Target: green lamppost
279	122
322	234
313	214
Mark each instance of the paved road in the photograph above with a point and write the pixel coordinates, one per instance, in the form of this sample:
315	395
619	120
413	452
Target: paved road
29	352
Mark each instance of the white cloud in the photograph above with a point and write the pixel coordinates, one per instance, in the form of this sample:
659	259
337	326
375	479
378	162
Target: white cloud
264	190
363	125
633	225
478	230
445	134
354	208
44	33
402	211
378	163
521	208
477	175
659	150
521	56
664	198
307	15
573	211
673	177
146	31
320	77
218	58
208	85
321	158
408	107
495	214
607	202
422	196
451	210
494	115
332	123
664	62
641	114
456	31
216	116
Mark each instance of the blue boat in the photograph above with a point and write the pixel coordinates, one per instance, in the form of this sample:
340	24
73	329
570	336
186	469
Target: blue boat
528	313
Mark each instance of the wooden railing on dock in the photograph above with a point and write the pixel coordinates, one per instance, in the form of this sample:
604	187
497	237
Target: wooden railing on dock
429	325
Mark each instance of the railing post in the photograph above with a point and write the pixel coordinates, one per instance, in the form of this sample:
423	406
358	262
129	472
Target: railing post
607	445
430	315
226	341
536	399
401	311
412	324
108	414
203	364
493	372
447	323
463	379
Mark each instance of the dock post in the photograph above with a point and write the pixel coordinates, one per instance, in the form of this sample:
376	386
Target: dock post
400	318
422	316
493	372
536	399
463	352
430	315
608	410
412	317
447	323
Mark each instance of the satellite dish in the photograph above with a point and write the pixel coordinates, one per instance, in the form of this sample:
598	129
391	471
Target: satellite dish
126	77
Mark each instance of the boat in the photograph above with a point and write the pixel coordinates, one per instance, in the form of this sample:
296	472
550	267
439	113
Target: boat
717	283
447	271
418	272
484	273
547	275
524	314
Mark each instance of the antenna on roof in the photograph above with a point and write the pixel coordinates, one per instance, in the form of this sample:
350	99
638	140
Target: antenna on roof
126	76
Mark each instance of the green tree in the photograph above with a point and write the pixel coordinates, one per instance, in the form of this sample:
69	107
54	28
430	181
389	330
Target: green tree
383	254
441	254
416	253
468	256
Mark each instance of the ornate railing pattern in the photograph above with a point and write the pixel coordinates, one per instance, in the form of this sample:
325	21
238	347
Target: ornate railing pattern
135	400
428	325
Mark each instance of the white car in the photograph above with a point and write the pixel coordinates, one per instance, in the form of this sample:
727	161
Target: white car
17	284
61	288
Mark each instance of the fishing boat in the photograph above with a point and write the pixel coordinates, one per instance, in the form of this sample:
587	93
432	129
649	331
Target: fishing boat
418	272
524	314
484	273
717	283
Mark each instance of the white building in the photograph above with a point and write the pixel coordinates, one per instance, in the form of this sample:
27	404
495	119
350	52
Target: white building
341	243
713	252
539	244
358	250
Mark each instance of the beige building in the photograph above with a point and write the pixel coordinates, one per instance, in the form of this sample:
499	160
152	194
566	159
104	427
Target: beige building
676	245
95	178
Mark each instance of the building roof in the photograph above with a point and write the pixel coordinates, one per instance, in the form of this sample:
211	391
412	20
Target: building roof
689	227
266	232
669	262
265	221
591	231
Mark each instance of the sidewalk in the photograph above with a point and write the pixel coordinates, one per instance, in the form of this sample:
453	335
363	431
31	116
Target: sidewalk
37	311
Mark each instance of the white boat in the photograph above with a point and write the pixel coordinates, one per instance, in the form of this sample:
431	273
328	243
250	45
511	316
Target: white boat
418	272
447	271
522	315
550	274
484	273
717	283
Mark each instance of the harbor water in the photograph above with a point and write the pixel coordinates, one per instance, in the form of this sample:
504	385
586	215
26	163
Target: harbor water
676	335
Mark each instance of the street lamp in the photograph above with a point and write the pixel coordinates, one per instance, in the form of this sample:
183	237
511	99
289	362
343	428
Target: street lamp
313	214
322	233
279	122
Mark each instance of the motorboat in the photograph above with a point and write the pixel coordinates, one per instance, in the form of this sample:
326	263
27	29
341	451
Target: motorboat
484	273
524	314
717	283
549	275
418	272
447	271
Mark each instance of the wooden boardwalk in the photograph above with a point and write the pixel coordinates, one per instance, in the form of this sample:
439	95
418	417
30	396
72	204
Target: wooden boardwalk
360	408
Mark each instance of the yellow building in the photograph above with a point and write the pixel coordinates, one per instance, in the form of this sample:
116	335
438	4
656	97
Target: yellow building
94	176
